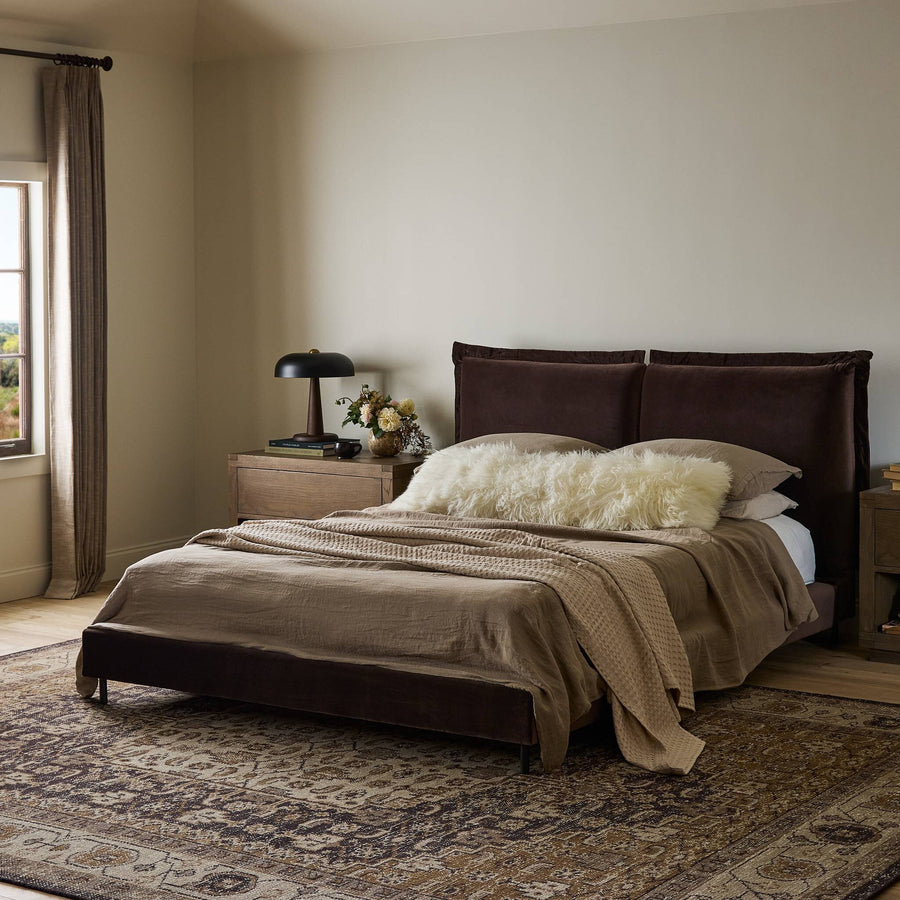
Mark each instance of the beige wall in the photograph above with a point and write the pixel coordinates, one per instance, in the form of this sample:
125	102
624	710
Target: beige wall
152	335
152	396
713	183
726	182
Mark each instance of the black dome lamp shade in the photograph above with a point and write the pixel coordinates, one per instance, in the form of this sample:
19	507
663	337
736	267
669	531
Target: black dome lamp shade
314	365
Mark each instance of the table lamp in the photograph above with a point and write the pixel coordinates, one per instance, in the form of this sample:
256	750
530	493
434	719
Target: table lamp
314	365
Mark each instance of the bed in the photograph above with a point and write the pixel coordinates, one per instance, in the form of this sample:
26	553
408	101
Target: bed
808	409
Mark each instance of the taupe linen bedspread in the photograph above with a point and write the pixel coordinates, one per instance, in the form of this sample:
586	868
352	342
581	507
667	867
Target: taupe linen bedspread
396	589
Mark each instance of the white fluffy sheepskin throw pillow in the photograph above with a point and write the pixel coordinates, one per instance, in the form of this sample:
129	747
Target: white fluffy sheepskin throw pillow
613	491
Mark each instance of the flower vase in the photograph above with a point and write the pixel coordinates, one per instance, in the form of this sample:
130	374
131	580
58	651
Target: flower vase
389	444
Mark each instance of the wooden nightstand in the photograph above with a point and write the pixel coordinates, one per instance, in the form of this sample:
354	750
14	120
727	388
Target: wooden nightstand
273	486
879	570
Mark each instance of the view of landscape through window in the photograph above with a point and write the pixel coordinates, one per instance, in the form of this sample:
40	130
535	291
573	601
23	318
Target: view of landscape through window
9	383
12	306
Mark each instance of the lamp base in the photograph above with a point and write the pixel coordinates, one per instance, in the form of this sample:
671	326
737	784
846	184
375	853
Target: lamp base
318	438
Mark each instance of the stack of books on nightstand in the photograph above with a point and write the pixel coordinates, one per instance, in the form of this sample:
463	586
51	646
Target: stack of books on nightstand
301	448
892	473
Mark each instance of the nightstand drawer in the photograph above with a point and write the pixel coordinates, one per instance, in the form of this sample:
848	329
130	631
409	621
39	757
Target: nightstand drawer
887	537
269	492
879	570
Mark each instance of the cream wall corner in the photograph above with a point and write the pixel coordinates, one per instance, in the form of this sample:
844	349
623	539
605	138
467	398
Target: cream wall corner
152	322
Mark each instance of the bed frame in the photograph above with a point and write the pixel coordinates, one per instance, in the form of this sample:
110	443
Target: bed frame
809	409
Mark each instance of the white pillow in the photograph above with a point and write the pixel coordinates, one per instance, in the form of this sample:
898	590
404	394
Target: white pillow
764	506
610	491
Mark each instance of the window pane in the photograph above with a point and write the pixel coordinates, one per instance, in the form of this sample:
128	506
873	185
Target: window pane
10	303
9	228
10	418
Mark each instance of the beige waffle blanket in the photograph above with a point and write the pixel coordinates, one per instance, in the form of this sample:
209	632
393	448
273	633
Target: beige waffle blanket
613	601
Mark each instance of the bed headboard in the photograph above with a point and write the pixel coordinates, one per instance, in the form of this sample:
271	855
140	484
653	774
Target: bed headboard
808	409
501	390
857	360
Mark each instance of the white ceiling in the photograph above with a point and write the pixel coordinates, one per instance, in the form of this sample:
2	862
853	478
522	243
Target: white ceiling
227	29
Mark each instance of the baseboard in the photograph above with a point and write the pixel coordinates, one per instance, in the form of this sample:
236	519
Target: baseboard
117	561
32	581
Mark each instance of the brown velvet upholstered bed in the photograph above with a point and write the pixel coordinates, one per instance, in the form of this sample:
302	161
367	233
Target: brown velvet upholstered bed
808	409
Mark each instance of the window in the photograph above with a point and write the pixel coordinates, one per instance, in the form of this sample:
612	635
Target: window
21	211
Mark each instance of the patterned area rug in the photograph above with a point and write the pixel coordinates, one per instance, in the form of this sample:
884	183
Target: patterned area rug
162	795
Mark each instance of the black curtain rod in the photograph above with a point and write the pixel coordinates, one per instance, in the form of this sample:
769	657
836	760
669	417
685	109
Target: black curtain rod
65	59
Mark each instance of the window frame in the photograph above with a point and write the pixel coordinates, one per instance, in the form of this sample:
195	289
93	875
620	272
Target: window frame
37	461
22	445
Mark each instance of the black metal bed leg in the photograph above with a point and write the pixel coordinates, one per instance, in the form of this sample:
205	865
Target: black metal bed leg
524	759
104	697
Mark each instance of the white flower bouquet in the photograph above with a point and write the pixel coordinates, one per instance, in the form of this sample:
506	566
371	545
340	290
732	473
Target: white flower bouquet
375	410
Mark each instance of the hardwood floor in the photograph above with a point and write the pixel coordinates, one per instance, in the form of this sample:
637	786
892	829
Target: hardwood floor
11	892
841	671
837	671
26	624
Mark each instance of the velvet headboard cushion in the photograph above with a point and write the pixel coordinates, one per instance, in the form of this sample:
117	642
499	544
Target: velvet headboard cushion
801	414
858	359
594	395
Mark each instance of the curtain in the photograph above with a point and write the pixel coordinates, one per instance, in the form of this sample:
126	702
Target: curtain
73	115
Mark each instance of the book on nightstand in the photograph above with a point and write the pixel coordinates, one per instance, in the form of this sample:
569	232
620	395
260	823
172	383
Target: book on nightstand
302	445
302	448
300	451
892	474
891	627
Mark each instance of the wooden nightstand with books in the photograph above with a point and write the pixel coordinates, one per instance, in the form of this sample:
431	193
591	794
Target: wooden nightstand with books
273	486
879	570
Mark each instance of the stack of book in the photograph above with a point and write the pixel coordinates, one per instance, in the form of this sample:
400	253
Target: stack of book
892	473
301	448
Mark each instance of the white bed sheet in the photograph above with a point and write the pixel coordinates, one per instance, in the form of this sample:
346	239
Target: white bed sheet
799	544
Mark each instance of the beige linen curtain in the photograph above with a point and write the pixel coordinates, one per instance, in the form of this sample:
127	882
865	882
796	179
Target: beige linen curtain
73	115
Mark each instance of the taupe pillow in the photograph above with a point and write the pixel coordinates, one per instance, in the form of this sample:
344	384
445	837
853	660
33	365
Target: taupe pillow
752	473
528	442
765	506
